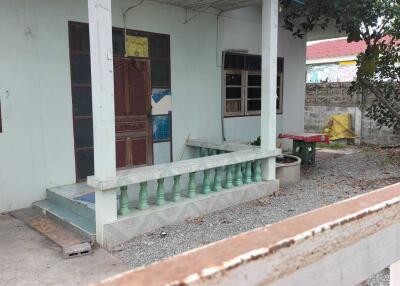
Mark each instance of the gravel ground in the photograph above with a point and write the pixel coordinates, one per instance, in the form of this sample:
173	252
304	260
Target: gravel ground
332	179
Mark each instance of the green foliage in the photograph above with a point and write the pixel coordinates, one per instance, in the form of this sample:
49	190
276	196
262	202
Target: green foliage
257	142
377	23
331	145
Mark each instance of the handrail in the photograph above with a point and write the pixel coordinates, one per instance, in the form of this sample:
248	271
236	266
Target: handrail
223	146
149	173
226	146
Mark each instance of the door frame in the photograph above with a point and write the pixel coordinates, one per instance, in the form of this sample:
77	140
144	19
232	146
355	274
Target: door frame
151	58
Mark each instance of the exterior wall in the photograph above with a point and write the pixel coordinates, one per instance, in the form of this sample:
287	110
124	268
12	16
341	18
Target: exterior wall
36	146
340	71
37	141
244	34
326	99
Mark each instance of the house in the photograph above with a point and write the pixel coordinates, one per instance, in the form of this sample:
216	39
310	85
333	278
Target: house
333	60
101	88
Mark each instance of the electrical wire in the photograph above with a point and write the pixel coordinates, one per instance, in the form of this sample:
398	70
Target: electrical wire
124	19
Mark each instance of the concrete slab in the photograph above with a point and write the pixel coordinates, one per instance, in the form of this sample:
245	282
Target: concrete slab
72	243
28	258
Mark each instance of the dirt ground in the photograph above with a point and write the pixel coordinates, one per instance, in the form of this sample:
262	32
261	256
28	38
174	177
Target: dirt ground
28	258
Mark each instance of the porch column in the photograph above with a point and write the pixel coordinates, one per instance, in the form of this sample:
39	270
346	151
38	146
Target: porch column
101	56
268	84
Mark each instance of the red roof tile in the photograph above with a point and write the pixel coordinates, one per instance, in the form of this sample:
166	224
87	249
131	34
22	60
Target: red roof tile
334	48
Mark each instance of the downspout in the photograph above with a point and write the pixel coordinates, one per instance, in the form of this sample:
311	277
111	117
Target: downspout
222	98
222	79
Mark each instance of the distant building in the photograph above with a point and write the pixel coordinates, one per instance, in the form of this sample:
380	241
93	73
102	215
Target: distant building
332	60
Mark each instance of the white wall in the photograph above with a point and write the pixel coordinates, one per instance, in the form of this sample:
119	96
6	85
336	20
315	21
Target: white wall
241	30
36	147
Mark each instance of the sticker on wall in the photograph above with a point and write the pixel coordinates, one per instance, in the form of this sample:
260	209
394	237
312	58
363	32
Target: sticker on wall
161	128
161	101
137	46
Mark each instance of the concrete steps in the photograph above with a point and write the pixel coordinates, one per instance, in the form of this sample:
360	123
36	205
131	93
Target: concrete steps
63	204
72	243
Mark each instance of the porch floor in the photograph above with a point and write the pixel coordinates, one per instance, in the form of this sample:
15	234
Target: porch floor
74	207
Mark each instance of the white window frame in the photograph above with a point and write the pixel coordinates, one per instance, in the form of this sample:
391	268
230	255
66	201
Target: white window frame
244	90
242	102
246	111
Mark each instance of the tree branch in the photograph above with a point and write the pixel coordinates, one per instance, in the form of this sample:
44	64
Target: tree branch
378	94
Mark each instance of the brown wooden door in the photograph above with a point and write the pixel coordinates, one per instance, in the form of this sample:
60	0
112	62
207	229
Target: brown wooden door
133	112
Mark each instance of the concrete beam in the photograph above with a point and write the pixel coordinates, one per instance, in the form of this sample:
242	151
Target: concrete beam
341	244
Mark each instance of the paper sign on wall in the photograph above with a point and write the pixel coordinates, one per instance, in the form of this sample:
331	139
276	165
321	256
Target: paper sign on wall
161	101
137	46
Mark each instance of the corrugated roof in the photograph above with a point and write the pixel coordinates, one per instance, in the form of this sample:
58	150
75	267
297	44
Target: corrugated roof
216	4
221	5
334	48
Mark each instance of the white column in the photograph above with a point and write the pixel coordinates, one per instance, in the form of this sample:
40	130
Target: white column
395	274
101	56
268	88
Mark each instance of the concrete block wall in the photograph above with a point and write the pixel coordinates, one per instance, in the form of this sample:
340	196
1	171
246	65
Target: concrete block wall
326	99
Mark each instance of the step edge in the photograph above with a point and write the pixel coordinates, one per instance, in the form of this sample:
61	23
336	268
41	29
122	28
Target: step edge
72	225
72	203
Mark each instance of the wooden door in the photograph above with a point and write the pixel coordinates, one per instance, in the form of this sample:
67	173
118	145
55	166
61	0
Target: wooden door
133	112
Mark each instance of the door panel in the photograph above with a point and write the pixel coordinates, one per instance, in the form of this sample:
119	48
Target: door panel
119	84
139	146
132	107
120	148
136	89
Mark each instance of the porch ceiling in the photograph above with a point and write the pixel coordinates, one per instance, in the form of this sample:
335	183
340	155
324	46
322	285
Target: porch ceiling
222	5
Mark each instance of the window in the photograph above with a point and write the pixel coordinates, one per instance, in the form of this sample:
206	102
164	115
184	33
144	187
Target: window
242	85
279	93
234	90
159	55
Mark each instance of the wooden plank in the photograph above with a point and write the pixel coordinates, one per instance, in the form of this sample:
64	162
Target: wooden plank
71	243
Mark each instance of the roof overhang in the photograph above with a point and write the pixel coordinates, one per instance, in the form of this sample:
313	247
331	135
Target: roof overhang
221	5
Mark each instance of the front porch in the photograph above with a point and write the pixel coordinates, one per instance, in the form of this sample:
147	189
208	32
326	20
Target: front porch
167	193
222	175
